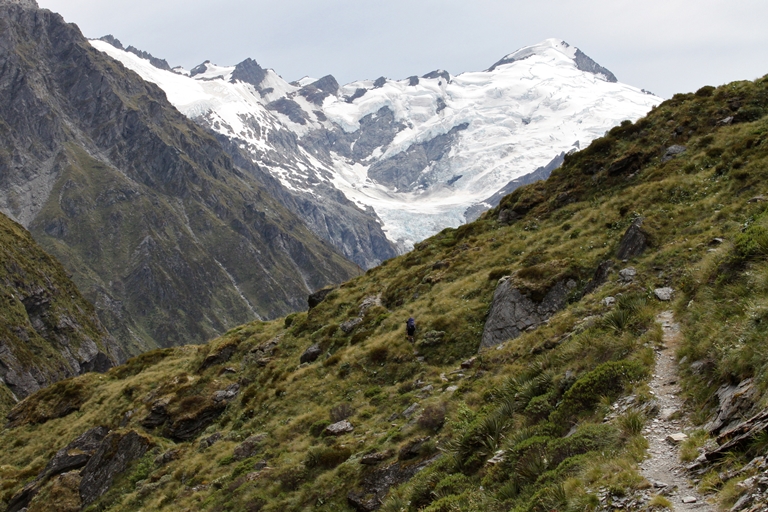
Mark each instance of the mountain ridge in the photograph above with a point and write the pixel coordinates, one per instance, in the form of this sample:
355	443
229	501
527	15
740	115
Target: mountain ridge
421	152
143	206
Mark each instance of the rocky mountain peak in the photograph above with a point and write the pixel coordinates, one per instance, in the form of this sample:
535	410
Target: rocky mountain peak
29	4
249	72
109	38
199	69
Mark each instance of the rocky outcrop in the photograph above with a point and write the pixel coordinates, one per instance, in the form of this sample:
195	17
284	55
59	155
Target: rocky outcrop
513	312
600	276
162	232
249	447
311	354
634	242
735	402
317	297
672	152
48	330
220	356
339	428
375	484
73	456
113	457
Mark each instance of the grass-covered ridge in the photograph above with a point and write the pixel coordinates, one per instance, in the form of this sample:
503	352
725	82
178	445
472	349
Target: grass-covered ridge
47	329
527	426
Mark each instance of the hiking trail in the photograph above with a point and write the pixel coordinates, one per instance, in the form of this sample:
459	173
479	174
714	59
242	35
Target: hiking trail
663	467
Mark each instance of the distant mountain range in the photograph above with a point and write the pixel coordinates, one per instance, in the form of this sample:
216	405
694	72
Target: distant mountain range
420	154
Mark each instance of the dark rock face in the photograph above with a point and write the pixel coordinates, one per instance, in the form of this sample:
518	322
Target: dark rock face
404	170
48	331
219	357
584	63
158	63
319	296
512	313
311	354
77	453
634	242
735	403
170	241
249	447
412	449
73	456
376	484
289	108
249	72
317	91
189	427
114	455
602	272
439	73
735	439
158	414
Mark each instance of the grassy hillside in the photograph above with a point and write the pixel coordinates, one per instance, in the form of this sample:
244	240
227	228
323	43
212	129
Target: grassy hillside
48	331
239	423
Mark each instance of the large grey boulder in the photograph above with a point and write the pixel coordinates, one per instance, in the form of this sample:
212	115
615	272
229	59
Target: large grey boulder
512	312
634	242
311	354
672	152
115	454
664	294
339	428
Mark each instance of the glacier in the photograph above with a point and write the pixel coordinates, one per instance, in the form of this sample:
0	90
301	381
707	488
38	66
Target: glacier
420	153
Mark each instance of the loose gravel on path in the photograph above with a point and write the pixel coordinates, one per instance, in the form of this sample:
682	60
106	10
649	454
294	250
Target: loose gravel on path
663	468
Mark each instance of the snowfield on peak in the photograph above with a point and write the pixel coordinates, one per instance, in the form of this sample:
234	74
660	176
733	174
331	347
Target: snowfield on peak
424	153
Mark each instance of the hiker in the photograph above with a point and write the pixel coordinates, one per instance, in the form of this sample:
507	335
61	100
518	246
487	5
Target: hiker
410	327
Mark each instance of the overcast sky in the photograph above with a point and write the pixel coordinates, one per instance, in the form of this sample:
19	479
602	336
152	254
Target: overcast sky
665	46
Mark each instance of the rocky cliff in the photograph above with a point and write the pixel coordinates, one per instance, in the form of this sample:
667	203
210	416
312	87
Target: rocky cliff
161	231
48	331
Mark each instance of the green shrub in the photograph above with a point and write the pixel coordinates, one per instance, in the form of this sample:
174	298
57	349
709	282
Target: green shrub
752	243
607	380
317	428
587	438
326	457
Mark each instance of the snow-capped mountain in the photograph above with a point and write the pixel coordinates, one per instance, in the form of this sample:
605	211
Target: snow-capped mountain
423	153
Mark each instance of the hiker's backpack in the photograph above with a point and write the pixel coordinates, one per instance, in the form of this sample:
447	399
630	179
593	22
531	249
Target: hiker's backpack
411	323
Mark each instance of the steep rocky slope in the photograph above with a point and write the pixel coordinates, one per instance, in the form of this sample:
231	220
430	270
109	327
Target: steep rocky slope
355	232
48	331
561	284
421	153
161	231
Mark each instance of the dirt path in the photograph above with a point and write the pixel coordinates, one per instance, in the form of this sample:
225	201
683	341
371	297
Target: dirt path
663	469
